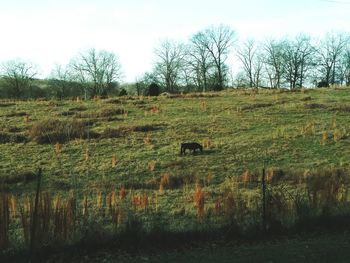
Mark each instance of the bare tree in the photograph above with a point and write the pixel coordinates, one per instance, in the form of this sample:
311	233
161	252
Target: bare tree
252	62
274	62
170	59
298	58
200	60
18	75
60	81
217	41
346	67
329	53
98	70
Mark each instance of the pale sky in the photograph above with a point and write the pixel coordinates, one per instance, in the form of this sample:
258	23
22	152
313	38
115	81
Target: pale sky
48	32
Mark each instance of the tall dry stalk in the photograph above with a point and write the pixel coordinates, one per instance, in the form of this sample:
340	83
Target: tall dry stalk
152	165
13	206
324	138
58	148
122	193
147	140
114	161
229	205
247	177
4	221
199	199
207	143
164	181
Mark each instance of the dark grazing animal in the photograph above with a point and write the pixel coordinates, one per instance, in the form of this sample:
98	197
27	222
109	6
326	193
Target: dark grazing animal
191	146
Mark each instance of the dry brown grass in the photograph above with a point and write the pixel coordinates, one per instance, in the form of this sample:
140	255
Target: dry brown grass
152	165
148	140
327	188
229	205
274	175
58	148
199	200
114	161
324	138
207	143
55	219
59	131
164	181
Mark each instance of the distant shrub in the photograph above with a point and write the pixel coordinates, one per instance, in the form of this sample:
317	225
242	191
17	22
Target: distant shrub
153	90
123	92
323	84
58	131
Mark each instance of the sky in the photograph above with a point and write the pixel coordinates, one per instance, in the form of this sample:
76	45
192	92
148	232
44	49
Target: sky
49	33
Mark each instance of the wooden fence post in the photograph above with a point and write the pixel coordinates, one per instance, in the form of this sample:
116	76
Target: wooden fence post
35	213
263	184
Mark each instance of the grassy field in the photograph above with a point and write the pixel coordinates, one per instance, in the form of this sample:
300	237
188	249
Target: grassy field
131	145
240	130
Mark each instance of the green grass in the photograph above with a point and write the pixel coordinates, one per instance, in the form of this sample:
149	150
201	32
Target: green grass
284	132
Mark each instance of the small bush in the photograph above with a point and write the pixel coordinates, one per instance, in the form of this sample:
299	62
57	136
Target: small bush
104	113
6	104
343	108
123	131
123	92
79	108
58	131
115	133
256	106
153	90
113	101
19	177
7	137
307	98
16	114
145	128
315	106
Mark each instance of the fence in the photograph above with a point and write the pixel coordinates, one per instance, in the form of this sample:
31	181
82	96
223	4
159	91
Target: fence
254	201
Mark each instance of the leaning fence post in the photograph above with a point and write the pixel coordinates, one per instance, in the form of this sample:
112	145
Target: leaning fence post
263	184
35	213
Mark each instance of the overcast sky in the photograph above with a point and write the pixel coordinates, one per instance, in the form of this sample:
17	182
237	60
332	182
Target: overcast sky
49	32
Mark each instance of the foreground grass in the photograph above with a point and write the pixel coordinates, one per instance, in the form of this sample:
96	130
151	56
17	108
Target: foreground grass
321	247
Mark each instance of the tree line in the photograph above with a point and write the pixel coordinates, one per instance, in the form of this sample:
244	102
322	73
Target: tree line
199	64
